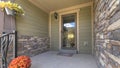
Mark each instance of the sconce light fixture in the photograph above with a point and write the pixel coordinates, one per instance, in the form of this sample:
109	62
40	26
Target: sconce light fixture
56	15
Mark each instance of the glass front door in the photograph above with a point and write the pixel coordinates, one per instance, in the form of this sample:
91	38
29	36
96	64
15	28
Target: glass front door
68	31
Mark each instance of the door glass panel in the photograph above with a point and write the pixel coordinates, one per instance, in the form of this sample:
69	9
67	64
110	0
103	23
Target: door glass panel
69	31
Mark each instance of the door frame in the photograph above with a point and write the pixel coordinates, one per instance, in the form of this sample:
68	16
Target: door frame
74	30
77	26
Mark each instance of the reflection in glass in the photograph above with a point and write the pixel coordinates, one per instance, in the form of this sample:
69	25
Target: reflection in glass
72	24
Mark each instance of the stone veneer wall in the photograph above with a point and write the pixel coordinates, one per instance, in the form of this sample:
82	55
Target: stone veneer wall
107	33
28	45
32	45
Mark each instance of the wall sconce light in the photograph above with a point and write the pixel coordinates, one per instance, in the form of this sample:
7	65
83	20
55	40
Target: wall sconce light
56	15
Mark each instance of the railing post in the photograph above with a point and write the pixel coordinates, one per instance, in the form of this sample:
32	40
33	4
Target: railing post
5	52
15	46
1	52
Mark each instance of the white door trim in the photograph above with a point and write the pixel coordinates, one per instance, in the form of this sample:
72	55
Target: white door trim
69	12
49	28
92	23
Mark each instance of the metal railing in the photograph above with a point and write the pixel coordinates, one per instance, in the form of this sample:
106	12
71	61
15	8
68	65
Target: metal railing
8	42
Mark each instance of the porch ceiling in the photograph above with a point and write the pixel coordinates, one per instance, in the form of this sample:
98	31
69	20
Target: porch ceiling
52	5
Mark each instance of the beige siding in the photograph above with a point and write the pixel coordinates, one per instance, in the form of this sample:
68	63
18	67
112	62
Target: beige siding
34	22
54	33
85	30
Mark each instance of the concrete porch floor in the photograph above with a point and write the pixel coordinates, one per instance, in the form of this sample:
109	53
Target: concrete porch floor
52	60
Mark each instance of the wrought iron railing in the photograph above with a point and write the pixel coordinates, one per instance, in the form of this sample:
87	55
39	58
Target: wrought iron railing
8	44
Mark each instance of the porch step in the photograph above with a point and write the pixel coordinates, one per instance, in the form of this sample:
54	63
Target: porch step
68	51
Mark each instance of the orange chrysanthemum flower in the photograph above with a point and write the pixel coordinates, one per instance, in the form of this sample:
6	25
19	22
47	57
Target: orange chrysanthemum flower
20	62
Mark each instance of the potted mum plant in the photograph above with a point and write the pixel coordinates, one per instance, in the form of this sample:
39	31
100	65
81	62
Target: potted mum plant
20	62
11	8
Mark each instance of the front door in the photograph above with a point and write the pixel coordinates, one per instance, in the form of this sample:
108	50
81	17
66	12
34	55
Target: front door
68	33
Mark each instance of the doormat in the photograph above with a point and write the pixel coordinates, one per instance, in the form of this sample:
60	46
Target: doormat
65	54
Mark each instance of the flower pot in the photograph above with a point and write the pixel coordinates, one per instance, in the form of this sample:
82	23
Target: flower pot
20	62
9	11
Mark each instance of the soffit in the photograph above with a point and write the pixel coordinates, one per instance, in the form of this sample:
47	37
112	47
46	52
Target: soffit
52	5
